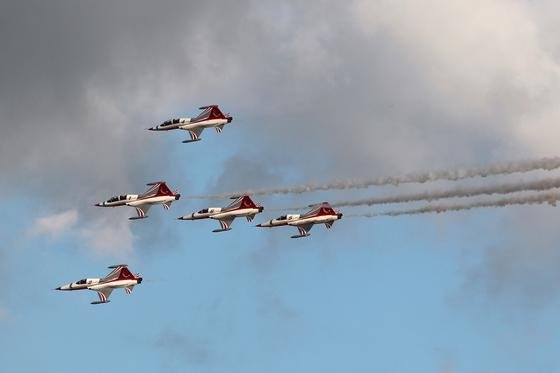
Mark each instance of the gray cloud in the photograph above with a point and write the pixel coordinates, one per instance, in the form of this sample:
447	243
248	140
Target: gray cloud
519	272
108	70
240	169
323	90
183	347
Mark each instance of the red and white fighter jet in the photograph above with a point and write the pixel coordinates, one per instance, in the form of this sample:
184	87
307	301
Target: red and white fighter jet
158	194
119	277
211	116
321	213
242	206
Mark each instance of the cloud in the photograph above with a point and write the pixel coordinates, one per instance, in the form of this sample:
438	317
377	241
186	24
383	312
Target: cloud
183	347
374	92
271	305
55	225
240	169
520	272
323	90
109	235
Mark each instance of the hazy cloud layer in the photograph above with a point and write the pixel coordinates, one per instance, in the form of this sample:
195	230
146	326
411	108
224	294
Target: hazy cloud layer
521	272
401	94
56	224
183	347
332	90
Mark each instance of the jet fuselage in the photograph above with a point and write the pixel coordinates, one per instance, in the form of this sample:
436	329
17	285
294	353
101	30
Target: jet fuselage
278	222
318	219
121	200
202	214
208	123
156	200
250	211
96	284
171	124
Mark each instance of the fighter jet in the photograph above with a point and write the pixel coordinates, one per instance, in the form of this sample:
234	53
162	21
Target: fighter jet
119	277
211	116
158	194
319	214
242	206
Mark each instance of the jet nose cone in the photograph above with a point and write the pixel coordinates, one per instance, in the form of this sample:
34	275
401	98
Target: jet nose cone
339	215
258	225
177	196
58	288
97	204
140	280
229	119
261	208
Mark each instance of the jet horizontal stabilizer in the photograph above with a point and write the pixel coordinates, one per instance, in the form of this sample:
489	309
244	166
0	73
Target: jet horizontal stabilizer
155	183
117	266
137	217
221	230
187	141
100	302
206	107
301	235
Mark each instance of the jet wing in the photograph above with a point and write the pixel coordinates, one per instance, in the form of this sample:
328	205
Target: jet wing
195	134
225	223
104	295
141	210
303	230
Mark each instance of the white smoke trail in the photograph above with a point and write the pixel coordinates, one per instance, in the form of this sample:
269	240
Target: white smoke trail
546	197
459	192
419	177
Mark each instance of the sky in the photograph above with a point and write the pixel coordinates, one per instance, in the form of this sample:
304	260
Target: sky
319	91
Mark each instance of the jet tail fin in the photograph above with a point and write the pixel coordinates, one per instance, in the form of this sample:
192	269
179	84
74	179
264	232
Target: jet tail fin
125	274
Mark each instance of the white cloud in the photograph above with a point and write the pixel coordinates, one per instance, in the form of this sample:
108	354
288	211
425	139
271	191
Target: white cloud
110	235
56	224
483	57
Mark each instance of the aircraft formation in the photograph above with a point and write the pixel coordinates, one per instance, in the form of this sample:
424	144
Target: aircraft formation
159	193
